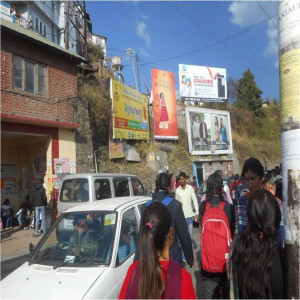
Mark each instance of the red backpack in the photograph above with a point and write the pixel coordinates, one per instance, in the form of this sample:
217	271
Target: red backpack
215	238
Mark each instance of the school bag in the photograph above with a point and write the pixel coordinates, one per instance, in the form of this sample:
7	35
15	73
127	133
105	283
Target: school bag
165	202
215	238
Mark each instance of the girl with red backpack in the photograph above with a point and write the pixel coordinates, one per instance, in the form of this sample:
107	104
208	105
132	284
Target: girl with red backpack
217	219
155	275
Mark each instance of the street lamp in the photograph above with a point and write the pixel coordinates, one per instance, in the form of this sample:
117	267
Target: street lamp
96	166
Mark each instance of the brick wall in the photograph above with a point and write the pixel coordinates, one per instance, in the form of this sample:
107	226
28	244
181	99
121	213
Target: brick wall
62	82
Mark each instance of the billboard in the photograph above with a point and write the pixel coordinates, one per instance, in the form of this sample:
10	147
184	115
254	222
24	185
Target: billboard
164	105
204	84
209	131
130	113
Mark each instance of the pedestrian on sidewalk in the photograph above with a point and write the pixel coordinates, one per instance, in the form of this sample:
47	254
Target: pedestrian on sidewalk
155	275
6	214
39	200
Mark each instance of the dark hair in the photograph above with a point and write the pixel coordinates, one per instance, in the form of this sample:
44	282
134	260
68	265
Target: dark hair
277	170
236	176
254	250
182	174
267	178
254	165
278	192
217	121
153	237
163	182
6	202
161	95
220	172
214	186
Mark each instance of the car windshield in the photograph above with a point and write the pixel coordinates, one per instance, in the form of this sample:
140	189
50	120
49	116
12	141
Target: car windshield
78	239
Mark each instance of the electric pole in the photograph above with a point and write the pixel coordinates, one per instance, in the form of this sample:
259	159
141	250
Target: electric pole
67	29
131	52
138	69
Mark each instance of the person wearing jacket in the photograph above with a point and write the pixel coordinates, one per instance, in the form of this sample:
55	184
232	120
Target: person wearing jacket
182	239
39	200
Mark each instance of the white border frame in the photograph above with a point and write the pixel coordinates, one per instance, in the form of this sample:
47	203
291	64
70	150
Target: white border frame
188	110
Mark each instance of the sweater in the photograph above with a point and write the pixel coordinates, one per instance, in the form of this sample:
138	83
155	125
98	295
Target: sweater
38	196
187	289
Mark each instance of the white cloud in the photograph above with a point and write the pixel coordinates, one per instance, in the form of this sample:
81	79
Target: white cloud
142	33
247	13
143	52
272	46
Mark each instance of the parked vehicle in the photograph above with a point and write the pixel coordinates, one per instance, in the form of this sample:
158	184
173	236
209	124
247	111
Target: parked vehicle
80	188
58	269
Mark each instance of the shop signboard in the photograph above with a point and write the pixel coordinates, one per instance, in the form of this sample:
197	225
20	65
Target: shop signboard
209	131
130	113
198	83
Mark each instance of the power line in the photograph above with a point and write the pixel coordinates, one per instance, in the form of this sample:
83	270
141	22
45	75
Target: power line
205	47
214	37
210	18
266	14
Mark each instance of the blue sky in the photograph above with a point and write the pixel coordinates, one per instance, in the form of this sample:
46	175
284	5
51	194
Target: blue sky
236	36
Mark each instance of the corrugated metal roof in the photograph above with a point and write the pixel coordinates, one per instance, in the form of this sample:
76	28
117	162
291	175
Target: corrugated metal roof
32	35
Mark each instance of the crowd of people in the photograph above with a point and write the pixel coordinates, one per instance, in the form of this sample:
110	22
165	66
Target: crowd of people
32	212
241	238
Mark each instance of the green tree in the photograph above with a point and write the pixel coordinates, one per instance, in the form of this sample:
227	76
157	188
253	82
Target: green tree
248	94
231	90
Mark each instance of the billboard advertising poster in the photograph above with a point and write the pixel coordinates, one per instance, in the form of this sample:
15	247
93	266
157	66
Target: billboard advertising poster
130	113
116	149
197	83
209	131
164	105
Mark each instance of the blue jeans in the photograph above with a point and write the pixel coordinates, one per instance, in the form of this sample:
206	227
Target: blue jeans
189	223
8	222
21	218
40	210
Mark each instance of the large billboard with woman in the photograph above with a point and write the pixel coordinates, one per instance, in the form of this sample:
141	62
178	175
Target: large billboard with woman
164	105
209	131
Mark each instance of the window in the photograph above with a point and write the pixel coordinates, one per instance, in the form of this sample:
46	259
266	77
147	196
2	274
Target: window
128	235
41	28
36	24
45	31
29	76
138	189
75	190
121	187
102	189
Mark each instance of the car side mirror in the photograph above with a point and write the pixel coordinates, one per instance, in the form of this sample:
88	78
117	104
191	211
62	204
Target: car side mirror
31	248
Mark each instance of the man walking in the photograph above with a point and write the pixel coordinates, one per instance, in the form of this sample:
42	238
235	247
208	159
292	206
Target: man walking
185	194
39	200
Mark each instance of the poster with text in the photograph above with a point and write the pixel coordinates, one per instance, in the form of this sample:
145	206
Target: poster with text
197	83
130	113
164	105
209	131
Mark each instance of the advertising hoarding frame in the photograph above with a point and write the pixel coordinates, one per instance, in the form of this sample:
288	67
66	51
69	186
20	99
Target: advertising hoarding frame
212	144
129	113
164	105
202	83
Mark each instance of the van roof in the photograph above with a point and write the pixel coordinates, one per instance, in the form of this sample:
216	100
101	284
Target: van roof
80	175
108	204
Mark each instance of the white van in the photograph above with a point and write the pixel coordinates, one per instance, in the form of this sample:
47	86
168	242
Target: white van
82	188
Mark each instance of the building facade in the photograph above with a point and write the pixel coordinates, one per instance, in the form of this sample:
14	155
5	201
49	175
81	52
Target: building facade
38	90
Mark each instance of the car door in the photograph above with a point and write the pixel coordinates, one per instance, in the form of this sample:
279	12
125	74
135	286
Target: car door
126	245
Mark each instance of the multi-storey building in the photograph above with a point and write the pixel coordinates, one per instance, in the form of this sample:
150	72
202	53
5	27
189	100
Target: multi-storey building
38	93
